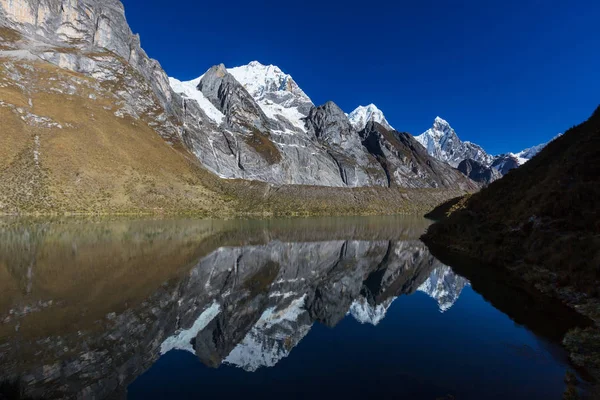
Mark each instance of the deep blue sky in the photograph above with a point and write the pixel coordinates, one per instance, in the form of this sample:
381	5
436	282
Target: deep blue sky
505	74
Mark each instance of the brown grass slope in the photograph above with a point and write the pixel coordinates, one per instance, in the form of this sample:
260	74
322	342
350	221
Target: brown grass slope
63	150
81	157
541	223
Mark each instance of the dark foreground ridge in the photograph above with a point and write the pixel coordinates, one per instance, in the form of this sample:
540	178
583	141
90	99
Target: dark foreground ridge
541	224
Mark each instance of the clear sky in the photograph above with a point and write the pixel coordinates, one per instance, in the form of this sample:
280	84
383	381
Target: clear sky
505	74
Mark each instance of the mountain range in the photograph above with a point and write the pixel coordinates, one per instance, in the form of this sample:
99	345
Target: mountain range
281	99
94	124
443	143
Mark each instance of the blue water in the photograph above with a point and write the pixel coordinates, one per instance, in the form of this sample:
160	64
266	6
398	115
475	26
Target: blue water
472	351
295	308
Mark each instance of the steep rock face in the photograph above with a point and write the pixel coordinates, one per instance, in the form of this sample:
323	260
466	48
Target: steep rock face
329	125
362	115
276	92
479	172
406	162
86	26
442	142
252	123
230	97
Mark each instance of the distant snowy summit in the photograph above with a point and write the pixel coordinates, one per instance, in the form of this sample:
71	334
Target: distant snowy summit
255	122
443	143
505	162
364	114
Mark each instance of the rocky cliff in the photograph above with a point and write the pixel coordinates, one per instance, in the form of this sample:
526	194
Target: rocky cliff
92	124
405	161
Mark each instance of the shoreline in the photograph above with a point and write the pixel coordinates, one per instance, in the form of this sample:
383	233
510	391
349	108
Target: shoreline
581	342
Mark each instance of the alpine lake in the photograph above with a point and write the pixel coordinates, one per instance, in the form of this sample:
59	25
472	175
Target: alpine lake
350	307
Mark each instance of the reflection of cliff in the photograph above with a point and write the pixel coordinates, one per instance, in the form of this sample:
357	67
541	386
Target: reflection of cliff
89	307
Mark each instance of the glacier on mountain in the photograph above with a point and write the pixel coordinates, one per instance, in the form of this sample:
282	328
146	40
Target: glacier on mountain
276	92
189	90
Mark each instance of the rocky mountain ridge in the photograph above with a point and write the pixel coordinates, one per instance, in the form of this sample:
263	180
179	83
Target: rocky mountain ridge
291	133
443	143
75	81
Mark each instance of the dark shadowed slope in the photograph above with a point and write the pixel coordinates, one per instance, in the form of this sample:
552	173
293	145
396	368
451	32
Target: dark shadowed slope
542	223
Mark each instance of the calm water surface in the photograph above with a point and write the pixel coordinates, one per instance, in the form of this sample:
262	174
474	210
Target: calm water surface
319	308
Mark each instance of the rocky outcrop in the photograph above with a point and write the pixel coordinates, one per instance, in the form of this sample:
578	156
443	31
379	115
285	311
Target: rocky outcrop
70	34
406	162
230	97
479	172
357	167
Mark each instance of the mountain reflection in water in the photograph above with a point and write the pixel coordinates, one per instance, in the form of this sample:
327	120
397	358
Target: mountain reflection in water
88	306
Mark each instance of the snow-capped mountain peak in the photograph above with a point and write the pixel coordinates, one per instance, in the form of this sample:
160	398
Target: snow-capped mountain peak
259	80
442	142
363	114
441	123
275	92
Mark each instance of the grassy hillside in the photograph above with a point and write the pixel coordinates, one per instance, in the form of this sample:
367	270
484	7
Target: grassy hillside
541	224
63	150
